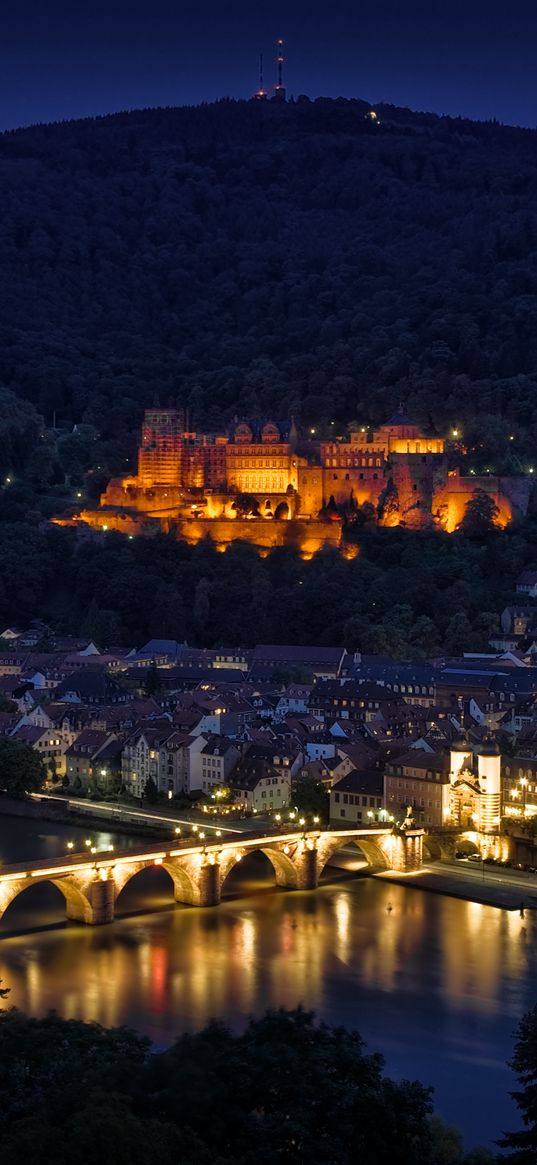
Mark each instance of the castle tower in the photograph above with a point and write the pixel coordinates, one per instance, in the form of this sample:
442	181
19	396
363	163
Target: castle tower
413	478
160	453
489	769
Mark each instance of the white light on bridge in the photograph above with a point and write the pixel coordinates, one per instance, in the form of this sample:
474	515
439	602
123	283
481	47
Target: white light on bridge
58	870
141	858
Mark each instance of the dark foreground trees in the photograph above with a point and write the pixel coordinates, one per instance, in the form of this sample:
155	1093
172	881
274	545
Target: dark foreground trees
523	1144
286	1090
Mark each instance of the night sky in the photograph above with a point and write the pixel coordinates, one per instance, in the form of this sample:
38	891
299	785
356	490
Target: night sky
63	59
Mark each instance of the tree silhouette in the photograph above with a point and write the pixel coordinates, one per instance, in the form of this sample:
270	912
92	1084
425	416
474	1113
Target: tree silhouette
523	1143
480	516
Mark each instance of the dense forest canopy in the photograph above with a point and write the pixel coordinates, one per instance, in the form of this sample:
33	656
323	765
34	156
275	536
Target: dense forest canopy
289	259
407	593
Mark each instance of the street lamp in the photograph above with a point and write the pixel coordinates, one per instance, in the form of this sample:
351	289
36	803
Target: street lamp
524	783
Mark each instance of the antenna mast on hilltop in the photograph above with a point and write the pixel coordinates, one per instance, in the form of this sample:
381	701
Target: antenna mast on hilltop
261	94
279	89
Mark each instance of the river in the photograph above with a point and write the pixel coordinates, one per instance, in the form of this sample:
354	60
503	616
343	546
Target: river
436	984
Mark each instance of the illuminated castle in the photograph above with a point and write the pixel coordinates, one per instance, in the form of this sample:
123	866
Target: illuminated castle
258	470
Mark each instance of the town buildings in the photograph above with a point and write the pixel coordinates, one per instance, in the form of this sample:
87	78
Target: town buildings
454	741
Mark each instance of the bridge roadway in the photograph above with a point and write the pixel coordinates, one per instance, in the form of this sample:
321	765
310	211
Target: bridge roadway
91	884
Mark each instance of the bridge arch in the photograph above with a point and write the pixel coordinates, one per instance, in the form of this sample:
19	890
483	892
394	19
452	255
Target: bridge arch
372	848
184	889
284	868
445	846
77	904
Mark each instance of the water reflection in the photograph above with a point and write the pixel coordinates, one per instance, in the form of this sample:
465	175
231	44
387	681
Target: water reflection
435	983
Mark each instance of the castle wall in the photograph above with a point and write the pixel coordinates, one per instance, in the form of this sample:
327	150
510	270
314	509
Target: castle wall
307	536
264	533
450	500
366	484
128	492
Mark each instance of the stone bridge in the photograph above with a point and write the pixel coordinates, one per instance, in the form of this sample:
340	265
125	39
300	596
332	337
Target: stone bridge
198	872
443	842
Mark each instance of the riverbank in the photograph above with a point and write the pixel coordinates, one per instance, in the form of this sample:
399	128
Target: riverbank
504	891
59	810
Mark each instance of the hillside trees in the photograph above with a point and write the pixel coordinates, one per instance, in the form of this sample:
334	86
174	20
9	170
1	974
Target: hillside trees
288	261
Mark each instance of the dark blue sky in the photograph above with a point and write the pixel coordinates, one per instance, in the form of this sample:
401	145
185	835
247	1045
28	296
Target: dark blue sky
63	58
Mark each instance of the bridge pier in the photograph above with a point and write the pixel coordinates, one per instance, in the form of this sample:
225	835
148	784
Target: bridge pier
96	906
406	851
207	887
307	869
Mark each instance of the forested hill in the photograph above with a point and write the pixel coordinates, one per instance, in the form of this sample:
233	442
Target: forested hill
298	259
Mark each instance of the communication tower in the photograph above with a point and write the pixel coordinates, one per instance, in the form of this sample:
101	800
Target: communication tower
279	88
261	94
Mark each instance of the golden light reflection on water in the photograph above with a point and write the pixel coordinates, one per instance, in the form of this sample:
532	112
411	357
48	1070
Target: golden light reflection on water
328	949
435	983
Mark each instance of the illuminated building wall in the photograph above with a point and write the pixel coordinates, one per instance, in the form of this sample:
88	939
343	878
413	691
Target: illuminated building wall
262	459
